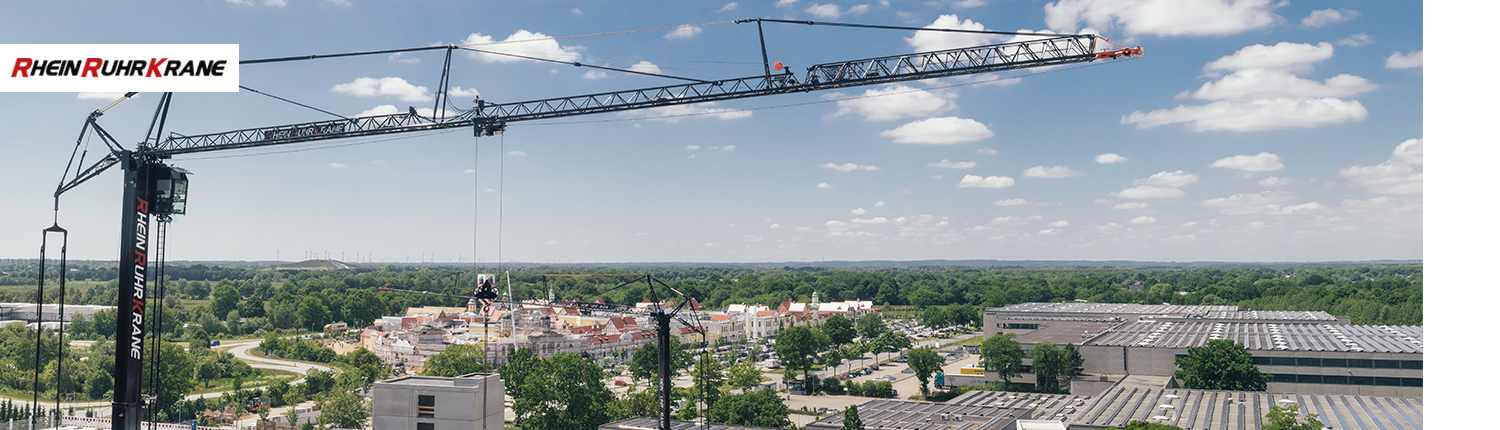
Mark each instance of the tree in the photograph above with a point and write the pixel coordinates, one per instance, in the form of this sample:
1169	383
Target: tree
924	362
1072	362
936	317
965	314
851	418
871	326
1048	363
638	404
175	373
832	359
1220	364
1145	425
797	346
455	361
565	391
1001	354
312	314
759	408
708	380
839	329
890	341
744	376
345	410
643	362
226	298
1286	419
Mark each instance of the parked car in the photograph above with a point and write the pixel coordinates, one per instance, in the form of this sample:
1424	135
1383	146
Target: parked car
619	383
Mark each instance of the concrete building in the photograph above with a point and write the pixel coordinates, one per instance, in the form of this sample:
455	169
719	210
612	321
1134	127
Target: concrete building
897	414
1239	410
645	423
469	402
28	312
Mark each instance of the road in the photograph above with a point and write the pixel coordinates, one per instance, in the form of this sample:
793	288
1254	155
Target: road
240	349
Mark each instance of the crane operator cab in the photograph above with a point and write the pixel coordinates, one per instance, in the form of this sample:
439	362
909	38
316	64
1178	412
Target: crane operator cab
169	190
485	290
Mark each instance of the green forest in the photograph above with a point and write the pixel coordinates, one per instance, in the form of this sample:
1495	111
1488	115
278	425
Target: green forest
220	297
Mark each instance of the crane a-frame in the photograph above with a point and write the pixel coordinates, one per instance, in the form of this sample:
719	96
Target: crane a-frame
152	188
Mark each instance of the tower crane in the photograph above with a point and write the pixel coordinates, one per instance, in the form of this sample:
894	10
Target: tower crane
153	188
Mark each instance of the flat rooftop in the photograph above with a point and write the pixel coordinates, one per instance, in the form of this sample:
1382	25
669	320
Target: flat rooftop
644	423
1266	336
1240	410
898	414
1062	407
1061	332
1114	308
465	381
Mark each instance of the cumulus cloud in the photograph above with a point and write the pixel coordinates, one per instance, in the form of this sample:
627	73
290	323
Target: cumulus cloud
824	185
1168	179
1284	56
1265	84
521	42
752	238
1058	224
785	3
858	211
847	167
1050	172
577	11
377	110
1141	220
1253	115
1408	60
1150	192
1110	158
895	102
776	226
1249	203
1262	162
939	131
731	148
832	11
595	74
1319	18
1356	40
1272	181
1010	202
645	67
516	153
1014	220
1131	206
683	33
337	165
676	113
986	151
1163	17
880	203
923	41
728	7
1397	175
953	164
967	4
693	147
368	87
462	92
875	220
976	181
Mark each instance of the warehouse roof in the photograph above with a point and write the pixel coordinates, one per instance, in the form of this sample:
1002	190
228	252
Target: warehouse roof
1266	336
1238	410
896	414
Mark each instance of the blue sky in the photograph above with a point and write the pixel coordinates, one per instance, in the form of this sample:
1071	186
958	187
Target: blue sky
1250	131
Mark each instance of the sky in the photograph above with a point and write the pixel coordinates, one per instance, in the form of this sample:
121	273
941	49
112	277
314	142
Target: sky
1251	130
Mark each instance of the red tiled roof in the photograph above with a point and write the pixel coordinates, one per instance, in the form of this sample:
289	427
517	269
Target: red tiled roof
721	318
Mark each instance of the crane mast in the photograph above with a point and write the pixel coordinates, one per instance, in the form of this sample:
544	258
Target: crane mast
151	188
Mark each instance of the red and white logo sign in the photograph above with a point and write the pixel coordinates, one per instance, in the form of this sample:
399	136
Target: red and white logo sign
119	68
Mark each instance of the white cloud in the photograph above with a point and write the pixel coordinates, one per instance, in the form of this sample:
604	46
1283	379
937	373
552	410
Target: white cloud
276	3
895	102
595	74
1253	115
398	57
858	9
645	67
1058	224
1168	179
752	238
1262	162
693	147
380	163
1010	202
1150	192
728	7
1109	227
577	11
1356	40
516	153
1163	17
100	96
953	164
923	41
1272	181
1319	18
776	226
1110	158
830	11
521	42
367	87
967	4
1047	232
676	113
378	110
847	167
976	181
1408	60
1013	220
1395	176
731	148
785	3
935	177
683	33
824	185
858	211
1265	84
337	165
939	131
1249	203
986	151
880	203
462	92
1050	172
1131	206
1284	56
241	2
1141	220
875	220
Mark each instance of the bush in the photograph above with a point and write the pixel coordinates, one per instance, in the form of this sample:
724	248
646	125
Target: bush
831	386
